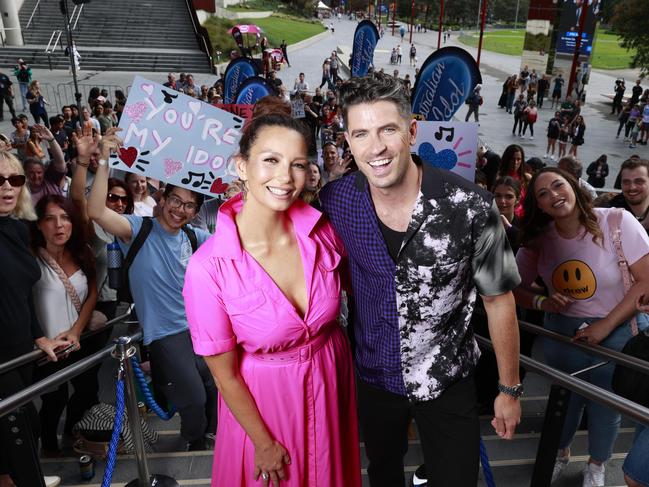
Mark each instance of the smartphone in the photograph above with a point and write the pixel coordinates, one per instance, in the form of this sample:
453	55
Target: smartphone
581	327
59	353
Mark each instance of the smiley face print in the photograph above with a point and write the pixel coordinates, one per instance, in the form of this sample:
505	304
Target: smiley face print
575	279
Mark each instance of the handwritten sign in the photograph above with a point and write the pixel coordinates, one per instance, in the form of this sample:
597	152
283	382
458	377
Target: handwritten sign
297	108
178	139
244	111
449	145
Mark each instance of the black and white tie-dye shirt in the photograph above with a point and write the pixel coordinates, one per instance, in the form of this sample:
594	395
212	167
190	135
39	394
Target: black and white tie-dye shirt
455	244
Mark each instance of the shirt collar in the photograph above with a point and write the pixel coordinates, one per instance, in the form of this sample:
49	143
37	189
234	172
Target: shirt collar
303	216
432	183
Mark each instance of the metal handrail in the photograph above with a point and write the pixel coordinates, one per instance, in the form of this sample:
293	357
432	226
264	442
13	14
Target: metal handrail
74	11
607	353
37	353
628	408
38	3
30	393
78	16
200	32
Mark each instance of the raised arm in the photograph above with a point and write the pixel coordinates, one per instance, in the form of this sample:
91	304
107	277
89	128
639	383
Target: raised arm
86	146
106	218
58	160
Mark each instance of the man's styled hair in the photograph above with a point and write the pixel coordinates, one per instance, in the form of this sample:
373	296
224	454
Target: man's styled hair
374	87
635	162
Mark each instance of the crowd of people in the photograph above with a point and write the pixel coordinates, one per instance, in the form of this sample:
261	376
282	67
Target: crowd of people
247	296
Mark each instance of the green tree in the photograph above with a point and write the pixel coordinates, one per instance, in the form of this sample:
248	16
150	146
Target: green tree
631	22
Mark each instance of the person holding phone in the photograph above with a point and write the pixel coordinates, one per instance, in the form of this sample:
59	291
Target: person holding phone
569	244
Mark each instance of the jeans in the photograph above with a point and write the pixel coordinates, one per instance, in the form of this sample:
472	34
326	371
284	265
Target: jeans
510	101
473	109
636	465
9	100
530	125
603	422
24	88
518	122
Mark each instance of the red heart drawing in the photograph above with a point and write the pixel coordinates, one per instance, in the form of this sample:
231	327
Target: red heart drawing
218	186
128	155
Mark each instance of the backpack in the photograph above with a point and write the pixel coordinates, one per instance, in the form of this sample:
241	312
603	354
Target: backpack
23	75
124	292
531	116
413	51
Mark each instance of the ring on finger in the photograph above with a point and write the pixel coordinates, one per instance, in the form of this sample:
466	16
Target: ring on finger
265	476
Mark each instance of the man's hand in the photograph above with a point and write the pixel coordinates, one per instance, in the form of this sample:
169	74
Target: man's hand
507	415
87	145
109	143
342	168
43	132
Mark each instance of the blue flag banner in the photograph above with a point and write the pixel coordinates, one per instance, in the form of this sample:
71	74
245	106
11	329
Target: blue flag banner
236	73
445	81
252	90
365	39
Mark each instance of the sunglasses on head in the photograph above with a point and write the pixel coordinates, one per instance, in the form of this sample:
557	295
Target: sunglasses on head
114	198
15	180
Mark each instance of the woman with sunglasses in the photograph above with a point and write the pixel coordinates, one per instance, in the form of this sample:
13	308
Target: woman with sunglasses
19	325
568	243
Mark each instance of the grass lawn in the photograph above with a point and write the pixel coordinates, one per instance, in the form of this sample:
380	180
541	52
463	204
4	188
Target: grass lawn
276	28
608	53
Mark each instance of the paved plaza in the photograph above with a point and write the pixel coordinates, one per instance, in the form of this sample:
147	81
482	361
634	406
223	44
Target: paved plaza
495	126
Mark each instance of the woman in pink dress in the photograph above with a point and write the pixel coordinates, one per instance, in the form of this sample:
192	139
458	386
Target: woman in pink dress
262	298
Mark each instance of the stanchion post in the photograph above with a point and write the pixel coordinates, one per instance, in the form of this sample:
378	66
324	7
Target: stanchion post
555	415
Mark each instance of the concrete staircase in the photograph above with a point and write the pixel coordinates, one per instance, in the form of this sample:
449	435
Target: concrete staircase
115	35
511	461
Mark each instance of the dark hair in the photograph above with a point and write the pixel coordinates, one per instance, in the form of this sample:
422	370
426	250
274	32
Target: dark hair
572	165
535	163
375	87
93	94
115	182
534	221
480	178
55	119
78	244
633	163
507	162
198	197
270	111
510	182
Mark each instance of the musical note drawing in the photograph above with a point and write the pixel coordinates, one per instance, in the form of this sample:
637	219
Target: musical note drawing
440	133
169	98
189	179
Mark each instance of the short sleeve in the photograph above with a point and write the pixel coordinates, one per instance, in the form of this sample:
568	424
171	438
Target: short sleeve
493	264
527	262
635	242
136	223
209	323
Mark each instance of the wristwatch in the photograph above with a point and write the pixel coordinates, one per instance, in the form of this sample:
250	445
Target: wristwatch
515	391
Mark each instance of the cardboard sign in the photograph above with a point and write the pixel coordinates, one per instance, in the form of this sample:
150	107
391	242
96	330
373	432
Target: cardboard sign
449	145
244	111
297	108
175	138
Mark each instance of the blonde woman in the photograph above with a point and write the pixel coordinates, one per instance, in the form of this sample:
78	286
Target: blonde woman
37	103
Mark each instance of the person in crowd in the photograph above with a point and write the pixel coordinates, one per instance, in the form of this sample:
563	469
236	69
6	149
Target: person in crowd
64	298
413	55
573	166
542	88
597	172
636	92
553	131
533	165
120	103
567	108
326	74
6	96
284	47
105	122
474	101
568	244
558	83
263	236
512	163
636	467
619	90
46	179
519	114
392	210
577	131
33	149
21	330
623	118
144	203
634	182
488	162
334	165
502	101
37	103
300	85
60	135
87	123
511	92
181	375
171	81
313	185
564	136
530	115
644	128
635	133
507	194
23	74
20	136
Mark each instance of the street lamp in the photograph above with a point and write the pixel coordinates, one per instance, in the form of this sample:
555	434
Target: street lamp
64	8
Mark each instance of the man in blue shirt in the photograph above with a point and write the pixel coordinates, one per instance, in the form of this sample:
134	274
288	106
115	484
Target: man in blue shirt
420	241
156	280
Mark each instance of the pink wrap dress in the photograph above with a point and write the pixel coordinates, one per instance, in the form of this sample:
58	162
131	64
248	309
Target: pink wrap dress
299	370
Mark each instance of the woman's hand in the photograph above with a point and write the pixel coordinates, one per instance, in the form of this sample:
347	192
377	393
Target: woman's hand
642	303
556	303
43	132
505	222
50	346
72	336
87	145
269	463
595	333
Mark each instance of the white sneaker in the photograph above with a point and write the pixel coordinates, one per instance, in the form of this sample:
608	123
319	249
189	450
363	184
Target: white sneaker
593	475
546	156
559	464
531	137
52	481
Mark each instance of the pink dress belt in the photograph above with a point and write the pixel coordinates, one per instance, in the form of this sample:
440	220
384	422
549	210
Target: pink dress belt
299	353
